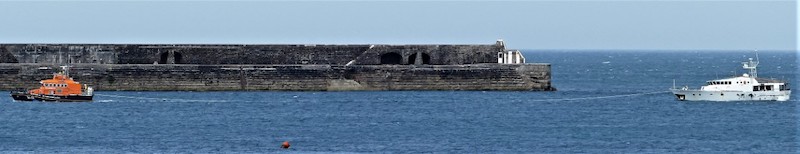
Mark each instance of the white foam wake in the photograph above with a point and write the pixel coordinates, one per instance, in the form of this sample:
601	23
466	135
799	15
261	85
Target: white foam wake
598	97
160	99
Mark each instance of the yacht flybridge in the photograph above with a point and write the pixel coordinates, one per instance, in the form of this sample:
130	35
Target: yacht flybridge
747	87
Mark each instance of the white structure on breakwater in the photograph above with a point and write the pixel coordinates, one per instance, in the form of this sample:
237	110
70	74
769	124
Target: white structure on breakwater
509	56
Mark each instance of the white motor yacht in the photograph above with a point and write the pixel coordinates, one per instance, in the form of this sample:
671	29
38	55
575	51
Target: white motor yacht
747	87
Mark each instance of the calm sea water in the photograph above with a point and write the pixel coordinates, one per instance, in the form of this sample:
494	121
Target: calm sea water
608	102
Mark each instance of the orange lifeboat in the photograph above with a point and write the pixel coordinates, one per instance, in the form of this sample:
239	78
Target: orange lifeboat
60	88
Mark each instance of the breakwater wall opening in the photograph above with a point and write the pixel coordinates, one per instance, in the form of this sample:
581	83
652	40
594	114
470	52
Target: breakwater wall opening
271	67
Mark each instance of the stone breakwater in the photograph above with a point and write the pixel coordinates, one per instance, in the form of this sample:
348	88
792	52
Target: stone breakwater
287	77
271	67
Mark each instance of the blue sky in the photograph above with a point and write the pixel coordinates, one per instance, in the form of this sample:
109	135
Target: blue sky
661	25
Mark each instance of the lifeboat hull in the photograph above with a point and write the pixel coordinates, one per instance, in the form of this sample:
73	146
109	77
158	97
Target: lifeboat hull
49	98
17	96
56	98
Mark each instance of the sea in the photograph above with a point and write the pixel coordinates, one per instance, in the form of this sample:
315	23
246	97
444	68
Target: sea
608	101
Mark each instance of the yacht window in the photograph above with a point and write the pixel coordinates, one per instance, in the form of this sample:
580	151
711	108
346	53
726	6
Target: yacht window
755	88
768	88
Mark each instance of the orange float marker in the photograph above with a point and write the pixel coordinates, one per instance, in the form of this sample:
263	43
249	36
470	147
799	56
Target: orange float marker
285	145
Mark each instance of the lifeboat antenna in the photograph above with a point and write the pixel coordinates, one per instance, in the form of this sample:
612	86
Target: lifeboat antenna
65	69
751	65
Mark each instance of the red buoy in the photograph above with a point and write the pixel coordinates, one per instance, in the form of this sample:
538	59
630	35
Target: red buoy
285	145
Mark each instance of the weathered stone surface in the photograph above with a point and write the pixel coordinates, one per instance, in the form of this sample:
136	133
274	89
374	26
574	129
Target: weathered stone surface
245	54
271	67
287	77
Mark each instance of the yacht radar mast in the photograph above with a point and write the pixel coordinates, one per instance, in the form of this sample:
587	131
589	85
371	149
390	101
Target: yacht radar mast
751	65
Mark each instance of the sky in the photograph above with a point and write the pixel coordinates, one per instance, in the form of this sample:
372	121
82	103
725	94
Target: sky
583	24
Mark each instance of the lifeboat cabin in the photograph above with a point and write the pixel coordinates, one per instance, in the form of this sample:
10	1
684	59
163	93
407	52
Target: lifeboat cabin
60	88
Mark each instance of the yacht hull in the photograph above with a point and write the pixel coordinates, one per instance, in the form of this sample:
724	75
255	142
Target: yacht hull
698	95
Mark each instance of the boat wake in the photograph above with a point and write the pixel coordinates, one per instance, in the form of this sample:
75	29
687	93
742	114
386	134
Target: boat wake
599	97
163	99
